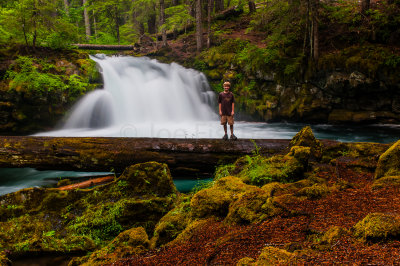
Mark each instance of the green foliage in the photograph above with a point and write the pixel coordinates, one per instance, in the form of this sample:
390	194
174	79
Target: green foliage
77	86
367	58
30	79
177	16
36	23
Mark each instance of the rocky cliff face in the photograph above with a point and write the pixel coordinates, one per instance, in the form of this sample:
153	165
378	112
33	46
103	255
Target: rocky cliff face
336	97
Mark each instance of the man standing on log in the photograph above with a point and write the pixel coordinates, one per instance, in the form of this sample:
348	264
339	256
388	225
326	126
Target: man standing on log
226	102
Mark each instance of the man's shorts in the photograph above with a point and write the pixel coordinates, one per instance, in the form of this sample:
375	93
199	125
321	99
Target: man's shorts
227	118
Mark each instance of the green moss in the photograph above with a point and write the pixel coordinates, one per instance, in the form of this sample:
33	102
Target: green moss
333	234
4	259
173	223
306	138
47	220
274	256
250	207
368	58
126	244
389	162
378	226
148	178
316	191
190	230
215	201
387	181
246	262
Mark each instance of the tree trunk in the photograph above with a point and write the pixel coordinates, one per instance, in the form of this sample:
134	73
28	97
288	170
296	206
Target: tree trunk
365	4
209	10
94	26
183	156
252	7
87	20
199	28
315	36
151	23
162	21
66	7
219	5
116	14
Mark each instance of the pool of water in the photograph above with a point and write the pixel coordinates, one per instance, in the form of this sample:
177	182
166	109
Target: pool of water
14	179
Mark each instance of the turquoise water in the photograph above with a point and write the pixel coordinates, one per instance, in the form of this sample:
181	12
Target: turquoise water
13	179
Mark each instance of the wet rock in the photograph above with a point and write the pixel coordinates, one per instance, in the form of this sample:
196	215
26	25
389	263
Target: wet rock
389	162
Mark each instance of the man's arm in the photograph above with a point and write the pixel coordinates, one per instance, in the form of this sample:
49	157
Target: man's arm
220	112
233	108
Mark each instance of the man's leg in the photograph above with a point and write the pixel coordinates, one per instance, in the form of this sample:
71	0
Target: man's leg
231	127
226	129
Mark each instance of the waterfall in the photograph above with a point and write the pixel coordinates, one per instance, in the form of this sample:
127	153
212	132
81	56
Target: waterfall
142	98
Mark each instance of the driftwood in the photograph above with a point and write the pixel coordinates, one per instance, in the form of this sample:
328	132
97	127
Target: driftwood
185	157
104	47
89	183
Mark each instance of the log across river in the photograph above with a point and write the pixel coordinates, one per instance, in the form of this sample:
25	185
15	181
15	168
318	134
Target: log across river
183	156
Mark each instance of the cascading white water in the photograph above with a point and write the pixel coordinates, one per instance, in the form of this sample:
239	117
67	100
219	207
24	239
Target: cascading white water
142	98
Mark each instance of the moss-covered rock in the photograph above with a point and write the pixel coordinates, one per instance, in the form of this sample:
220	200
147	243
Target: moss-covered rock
215	201
148	178
387	181
49	220
191	229
333	234
306	138
274	256
126	244
389	162
378	226
316	191
246	262
173	223
260	170
250	207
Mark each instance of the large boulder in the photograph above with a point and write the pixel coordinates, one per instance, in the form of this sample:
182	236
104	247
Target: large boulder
389	162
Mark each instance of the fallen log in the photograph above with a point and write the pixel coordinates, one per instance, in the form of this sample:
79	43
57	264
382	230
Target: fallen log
185	157
89	183
103	47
